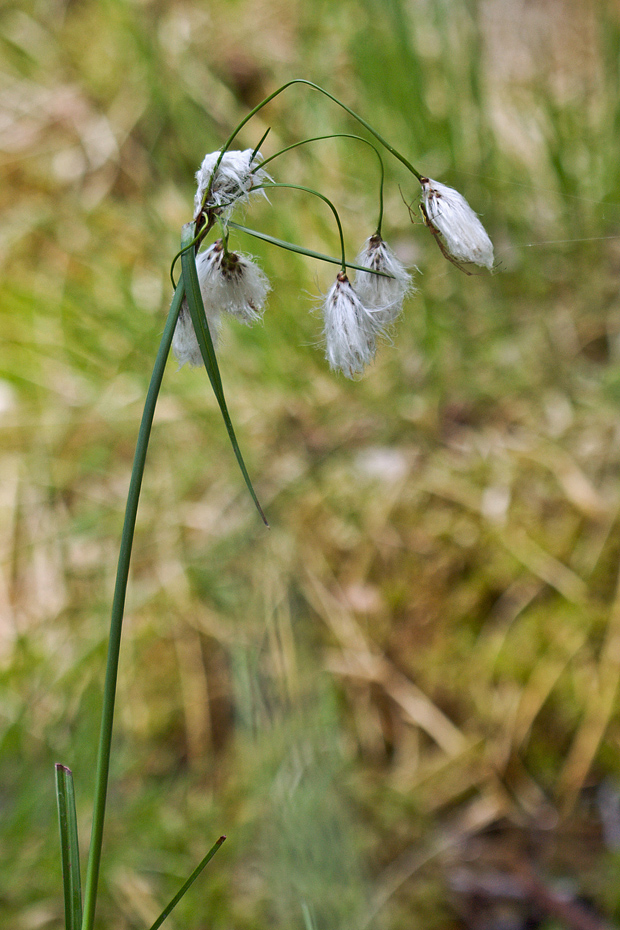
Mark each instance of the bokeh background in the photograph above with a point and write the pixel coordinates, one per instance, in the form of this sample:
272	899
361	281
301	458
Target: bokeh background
401	702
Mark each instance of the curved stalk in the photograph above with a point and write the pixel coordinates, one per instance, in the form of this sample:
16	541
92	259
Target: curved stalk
300	250
337	135
309	190
118	607
196	241
326	93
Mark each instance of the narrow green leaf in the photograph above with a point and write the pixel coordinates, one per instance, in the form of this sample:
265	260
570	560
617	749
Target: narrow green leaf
307	915
102	770
291	247
263	137
201	328
190	881
69	849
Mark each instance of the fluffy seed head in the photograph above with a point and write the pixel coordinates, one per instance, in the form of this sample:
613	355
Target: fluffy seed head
379	294
229	283
349	329
464	235
233	180
232	283
184	343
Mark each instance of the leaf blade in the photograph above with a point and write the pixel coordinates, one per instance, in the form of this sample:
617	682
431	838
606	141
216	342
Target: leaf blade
185	887
301	250
205	342
69	849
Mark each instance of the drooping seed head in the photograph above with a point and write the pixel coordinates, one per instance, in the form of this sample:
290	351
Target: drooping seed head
232	283
382	295
350	340
448	212
232	183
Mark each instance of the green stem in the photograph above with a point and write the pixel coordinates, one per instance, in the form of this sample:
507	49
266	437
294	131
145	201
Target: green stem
336	135
309	190
262	139
361	120
196	242
118	605
188	884
300	250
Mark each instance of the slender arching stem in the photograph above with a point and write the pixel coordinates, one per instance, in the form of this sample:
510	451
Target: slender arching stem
326	93
118	608
300	250
344	106
198	238
309	190
336	135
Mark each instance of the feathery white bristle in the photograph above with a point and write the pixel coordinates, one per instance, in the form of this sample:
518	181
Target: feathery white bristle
233	181
465	237
382	295
350	341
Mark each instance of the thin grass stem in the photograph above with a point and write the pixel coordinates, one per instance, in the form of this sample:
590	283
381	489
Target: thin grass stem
118	607
187	885
301	250
69	847
196	242
309	190
336	135
326	93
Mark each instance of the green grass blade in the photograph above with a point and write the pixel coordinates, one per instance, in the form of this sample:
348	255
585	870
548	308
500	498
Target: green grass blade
102	771
291	247
307	915
201	328
70	854
190	881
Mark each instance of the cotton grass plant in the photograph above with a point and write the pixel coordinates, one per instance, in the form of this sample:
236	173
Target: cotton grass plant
216	282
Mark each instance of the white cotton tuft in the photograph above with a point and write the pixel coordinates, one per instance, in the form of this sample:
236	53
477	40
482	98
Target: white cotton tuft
349	329
381	295
229	283
232	283
448	212
234	180
184	343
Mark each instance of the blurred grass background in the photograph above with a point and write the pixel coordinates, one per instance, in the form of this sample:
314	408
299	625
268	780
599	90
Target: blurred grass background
408	686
